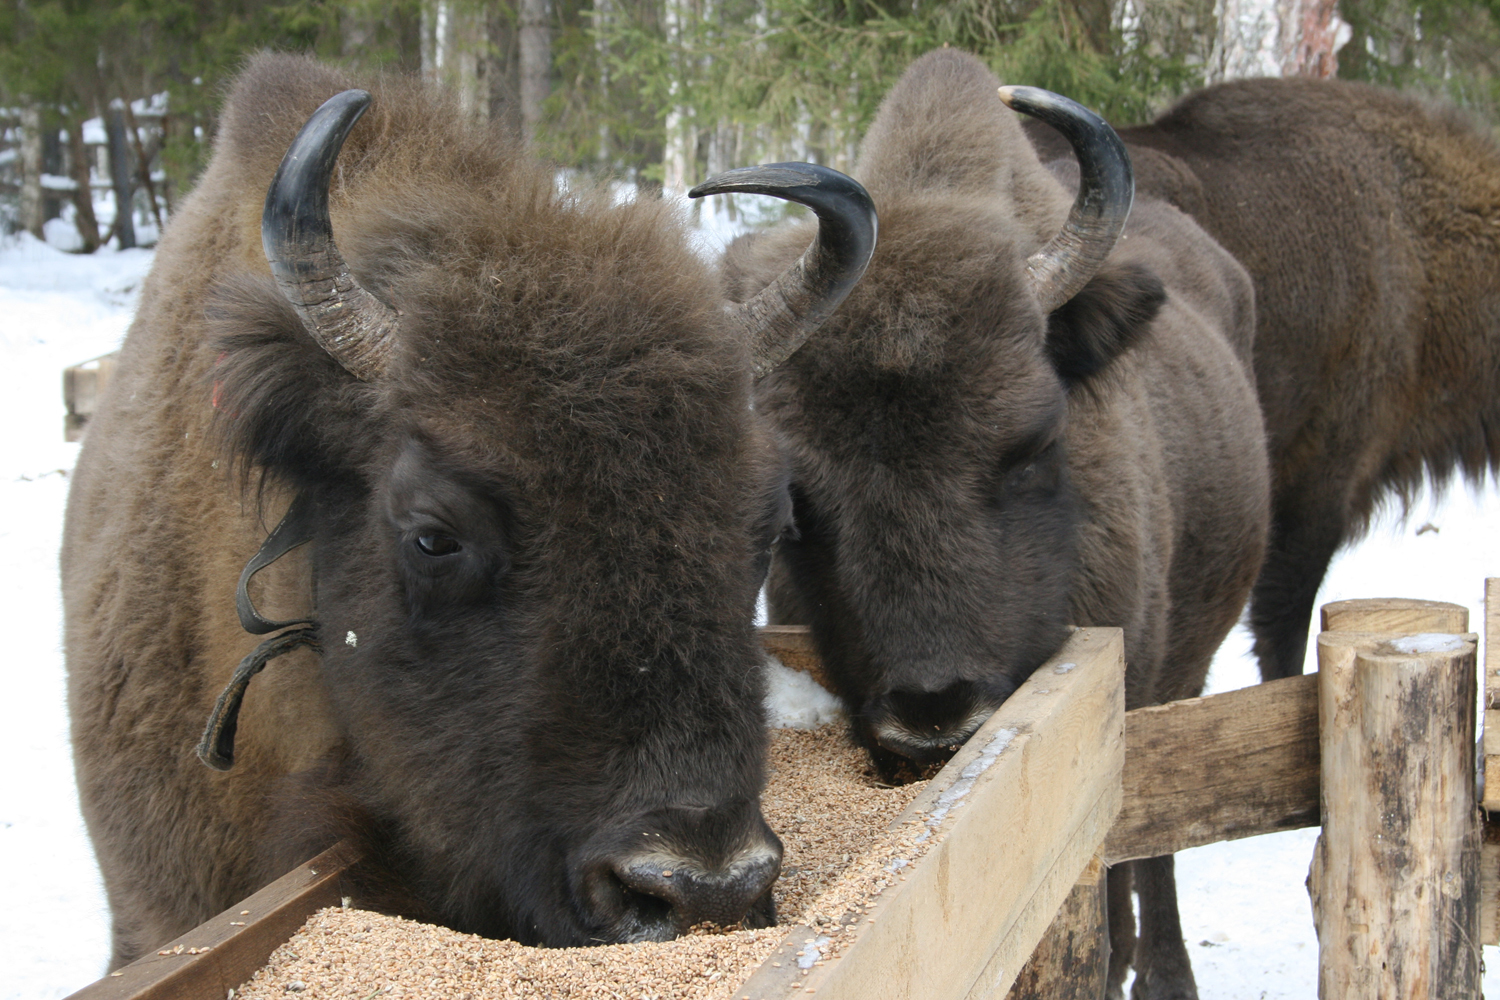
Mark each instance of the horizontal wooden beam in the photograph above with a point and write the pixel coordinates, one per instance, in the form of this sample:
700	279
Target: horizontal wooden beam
217	956
1227	766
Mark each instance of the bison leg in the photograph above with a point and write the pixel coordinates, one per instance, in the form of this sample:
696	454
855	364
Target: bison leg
1281	603
1121	929
1162	969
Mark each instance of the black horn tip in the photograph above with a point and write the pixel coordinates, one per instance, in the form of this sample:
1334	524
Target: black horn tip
1098	147
840	202
296	208
821	189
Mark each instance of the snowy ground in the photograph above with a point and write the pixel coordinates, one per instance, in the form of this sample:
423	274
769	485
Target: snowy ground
1245	911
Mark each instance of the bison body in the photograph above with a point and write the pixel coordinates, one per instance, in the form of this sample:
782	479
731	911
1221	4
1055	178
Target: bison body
1370	224
974	470
533	561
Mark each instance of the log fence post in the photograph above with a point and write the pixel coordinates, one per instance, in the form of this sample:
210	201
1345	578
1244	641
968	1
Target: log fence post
1395	877
1071	962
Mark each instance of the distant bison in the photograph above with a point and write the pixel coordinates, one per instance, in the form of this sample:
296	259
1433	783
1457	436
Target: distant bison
516	425
1014	425
1370	225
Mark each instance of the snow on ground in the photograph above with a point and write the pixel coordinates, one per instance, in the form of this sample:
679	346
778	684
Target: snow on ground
1245	910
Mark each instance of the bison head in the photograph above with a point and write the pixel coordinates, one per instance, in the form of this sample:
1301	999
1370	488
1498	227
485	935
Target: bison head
938	518
538	502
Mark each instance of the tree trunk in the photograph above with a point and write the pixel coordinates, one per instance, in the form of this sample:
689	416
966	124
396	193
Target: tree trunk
31	171
52	164
536	62
120	178
502	82
83	193
1276	38
143	165
455	44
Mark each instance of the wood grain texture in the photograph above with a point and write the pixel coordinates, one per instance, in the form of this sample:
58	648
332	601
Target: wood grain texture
1395	880
1491	799
1028	800
1395	614
1071	962
1230	765
217	956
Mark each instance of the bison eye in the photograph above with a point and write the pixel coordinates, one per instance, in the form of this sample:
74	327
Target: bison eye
438	545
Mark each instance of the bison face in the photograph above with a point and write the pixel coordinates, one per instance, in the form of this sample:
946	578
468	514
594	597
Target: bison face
937	525
536	564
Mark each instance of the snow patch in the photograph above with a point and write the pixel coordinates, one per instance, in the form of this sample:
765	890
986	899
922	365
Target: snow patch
1429	642
953	796
796	701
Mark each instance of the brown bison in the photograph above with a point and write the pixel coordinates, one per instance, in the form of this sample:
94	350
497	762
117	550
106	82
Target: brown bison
1014	425
1370	225
516	422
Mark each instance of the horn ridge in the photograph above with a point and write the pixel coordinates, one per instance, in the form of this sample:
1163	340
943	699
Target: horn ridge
785	313
297	236
1106	190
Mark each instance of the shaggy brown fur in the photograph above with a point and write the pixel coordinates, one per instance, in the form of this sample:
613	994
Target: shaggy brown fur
1370	224
502	723
971	476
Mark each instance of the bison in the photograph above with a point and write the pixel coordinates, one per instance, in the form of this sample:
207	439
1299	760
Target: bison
1370	224
1014	425
529	502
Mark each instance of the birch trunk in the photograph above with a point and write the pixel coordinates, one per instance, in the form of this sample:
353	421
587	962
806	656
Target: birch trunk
31	171
536	62
1276	38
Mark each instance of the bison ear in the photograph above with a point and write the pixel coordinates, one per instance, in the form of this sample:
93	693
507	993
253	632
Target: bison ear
1105	319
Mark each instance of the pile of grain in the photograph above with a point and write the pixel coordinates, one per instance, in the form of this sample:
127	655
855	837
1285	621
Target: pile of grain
831	815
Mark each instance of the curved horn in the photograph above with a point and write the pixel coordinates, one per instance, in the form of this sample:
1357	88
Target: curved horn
1106	188
350	323
786	311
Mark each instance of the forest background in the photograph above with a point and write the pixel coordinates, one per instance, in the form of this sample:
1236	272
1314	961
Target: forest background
119	97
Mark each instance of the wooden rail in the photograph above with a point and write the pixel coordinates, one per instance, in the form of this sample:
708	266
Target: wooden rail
217	956
1195	772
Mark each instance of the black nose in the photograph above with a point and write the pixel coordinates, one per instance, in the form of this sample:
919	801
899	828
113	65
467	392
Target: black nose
927	727
681	867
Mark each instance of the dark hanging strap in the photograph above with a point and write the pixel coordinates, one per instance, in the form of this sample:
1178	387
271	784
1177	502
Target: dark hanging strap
295	529
216	748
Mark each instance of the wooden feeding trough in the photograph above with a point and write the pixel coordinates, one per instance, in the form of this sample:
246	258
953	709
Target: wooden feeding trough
1016	820
1377	748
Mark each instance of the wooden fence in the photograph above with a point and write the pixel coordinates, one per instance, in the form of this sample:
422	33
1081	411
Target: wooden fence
1377	747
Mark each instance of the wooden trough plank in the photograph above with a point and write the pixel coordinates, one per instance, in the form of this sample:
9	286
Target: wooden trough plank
1230	765
1016	840
217	956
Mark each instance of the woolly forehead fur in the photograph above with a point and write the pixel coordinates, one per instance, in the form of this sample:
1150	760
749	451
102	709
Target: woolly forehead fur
944	306
535	324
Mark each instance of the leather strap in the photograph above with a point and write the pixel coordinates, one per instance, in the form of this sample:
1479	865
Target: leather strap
216	748
295	529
